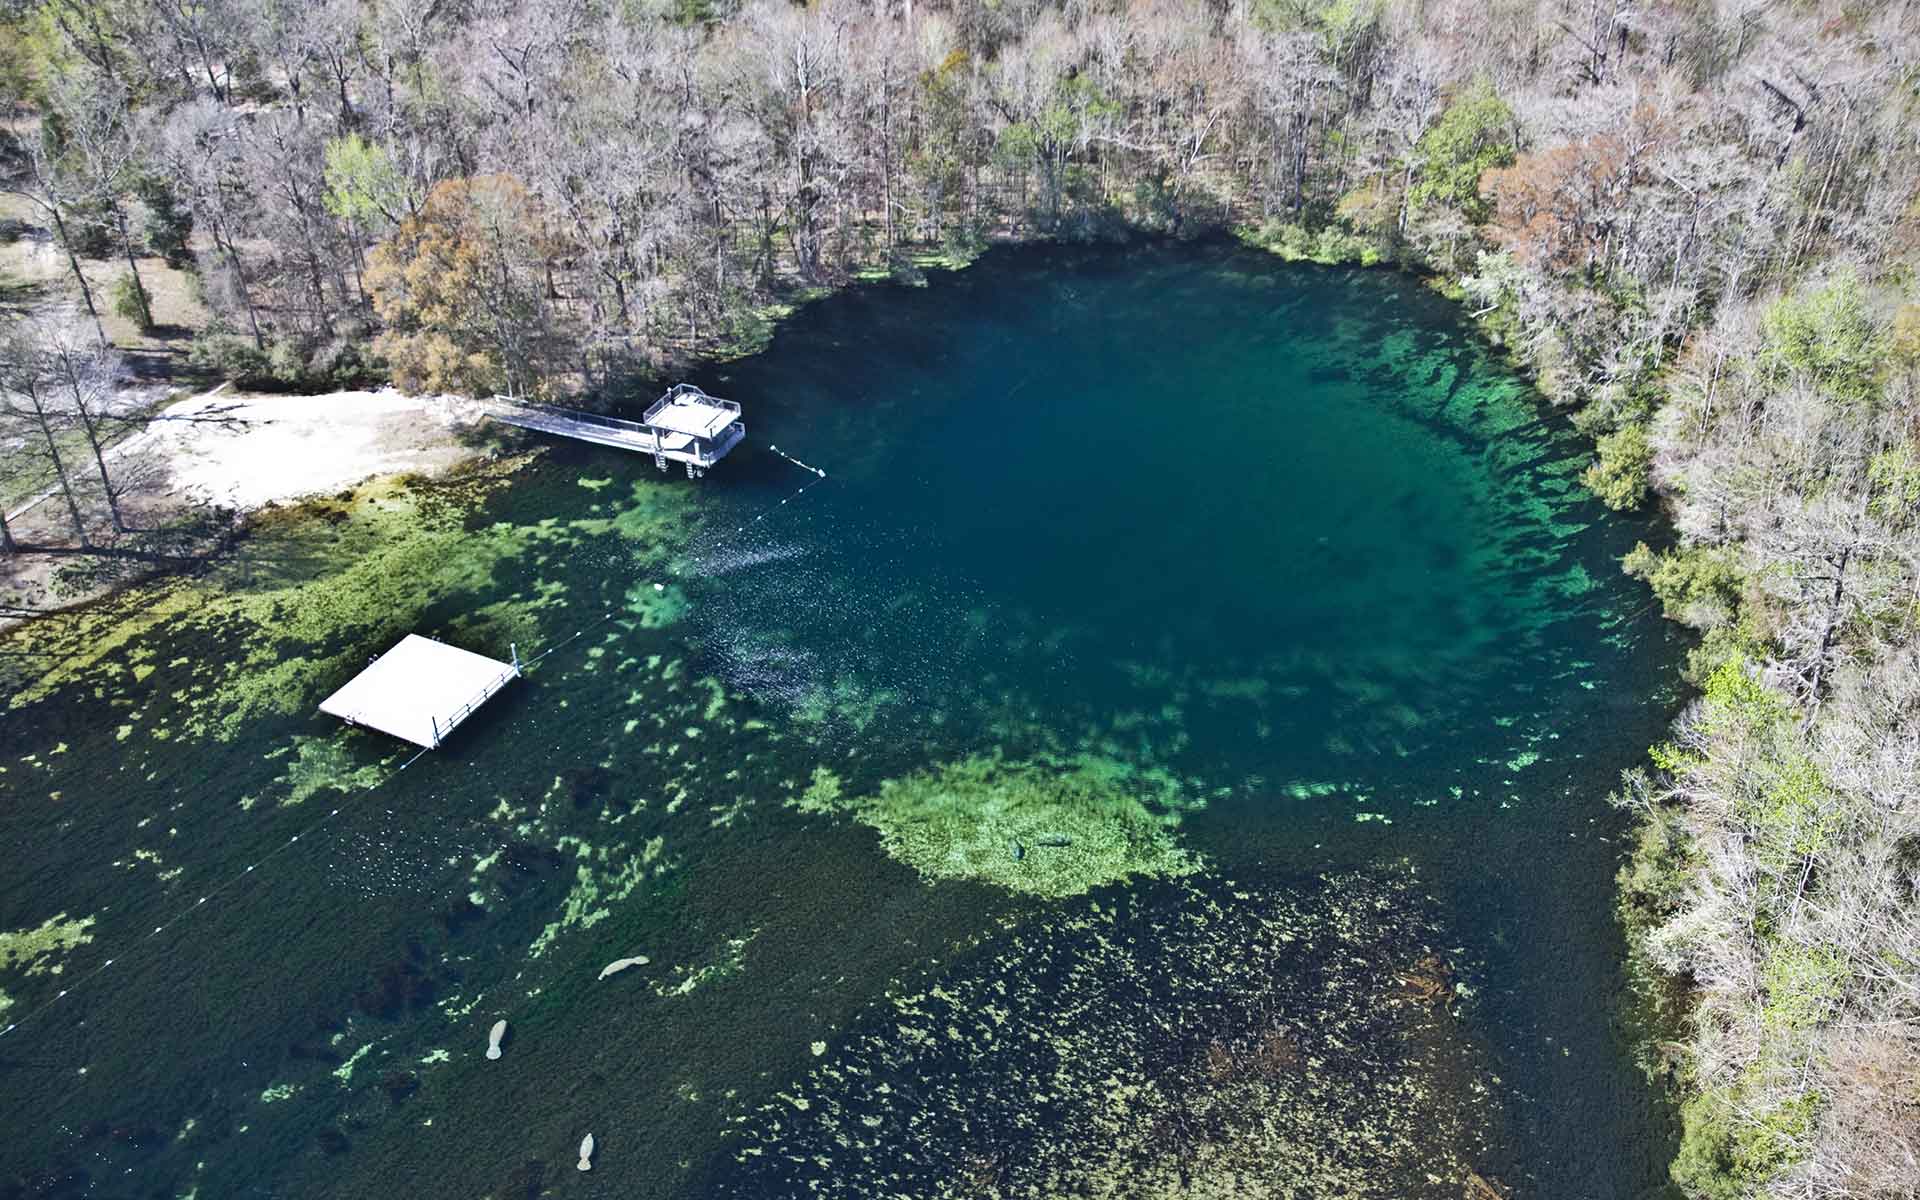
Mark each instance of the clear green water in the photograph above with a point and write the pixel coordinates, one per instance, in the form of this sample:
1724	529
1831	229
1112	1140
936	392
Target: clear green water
1183	652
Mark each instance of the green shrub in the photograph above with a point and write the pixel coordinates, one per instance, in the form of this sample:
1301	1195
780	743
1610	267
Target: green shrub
286	365
1791	814
168	226
1802	985
1621	475
1696	585
1725	1157
962	243
1473	136
1827	334
1330	245
130	302
1717	645
1893	478
345	362
1656	874
220	351
1734	699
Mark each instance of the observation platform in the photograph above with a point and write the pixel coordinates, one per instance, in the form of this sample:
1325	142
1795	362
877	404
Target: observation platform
685	426
421	690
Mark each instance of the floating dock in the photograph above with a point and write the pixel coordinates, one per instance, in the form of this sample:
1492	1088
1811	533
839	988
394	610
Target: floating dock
421	690
685	426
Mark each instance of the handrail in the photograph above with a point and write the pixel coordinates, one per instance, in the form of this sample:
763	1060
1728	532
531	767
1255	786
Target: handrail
678	390
583	418
470	707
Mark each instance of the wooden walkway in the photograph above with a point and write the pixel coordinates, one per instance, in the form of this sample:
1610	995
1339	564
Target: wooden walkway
685	426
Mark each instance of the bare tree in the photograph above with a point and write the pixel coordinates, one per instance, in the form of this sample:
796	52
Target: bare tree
30	407
85	377
49	181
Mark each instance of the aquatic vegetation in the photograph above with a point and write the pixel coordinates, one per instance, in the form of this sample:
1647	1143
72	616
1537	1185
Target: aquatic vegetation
727	960
822	794
312	587
39	951
606	876
325	764
1049	826
657	604
344	1072
1190	1038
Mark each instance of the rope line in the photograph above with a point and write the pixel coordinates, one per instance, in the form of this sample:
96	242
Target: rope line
796	462
769	510
282	848
611	613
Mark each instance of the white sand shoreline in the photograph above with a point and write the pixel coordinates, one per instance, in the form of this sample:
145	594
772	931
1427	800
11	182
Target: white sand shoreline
248	451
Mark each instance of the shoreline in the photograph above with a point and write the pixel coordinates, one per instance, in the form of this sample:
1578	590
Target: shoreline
251	453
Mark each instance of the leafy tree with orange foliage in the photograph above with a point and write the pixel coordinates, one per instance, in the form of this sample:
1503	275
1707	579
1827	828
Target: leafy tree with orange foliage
1552	208
461	287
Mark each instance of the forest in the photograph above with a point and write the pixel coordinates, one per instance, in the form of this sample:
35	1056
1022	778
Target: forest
1695	223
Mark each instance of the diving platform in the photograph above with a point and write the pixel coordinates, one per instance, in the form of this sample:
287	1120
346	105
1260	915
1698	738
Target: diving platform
685	426
421	690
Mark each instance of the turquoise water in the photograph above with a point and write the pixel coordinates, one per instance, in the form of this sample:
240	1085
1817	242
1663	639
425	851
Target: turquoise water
1163	755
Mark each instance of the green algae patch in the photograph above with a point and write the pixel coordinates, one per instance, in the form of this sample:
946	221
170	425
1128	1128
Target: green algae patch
308	590
325	765
823	794
38	951
657	605
344	1072
606	876
727	960
1049	826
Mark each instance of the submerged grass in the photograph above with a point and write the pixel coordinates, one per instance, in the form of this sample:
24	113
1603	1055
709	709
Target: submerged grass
311	588
1049	826
323	765
39	951
1192	1038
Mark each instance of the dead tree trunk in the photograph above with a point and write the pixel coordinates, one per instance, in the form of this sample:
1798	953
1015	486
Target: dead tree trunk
44	424
86	292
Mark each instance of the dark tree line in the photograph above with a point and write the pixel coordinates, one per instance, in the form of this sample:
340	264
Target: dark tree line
678	164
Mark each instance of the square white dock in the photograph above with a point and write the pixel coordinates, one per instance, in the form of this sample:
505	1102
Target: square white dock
420	690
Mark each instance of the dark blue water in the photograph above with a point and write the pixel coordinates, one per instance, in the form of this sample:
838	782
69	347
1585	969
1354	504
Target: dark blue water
1161	615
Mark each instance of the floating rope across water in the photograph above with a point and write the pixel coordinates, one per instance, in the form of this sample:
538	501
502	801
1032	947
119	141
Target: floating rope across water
270	855
796	462
817	474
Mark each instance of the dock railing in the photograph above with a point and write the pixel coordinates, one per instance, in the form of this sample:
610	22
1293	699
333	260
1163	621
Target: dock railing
687	389
697	452
459	715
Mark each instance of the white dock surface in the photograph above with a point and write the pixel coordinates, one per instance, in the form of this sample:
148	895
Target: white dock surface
420	690
694	418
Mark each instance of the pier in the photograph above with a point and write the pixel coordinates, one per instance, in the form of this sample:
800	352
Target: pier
421	690
685	425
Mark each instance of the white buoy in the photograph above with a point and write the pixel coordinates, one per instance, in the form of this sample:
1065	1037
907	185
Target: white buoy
586	1153
620	964
659	587
493	1038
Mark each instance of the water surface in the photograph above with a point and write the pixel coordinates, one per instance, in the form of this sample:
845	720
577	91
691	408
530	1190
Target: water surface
1188	695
